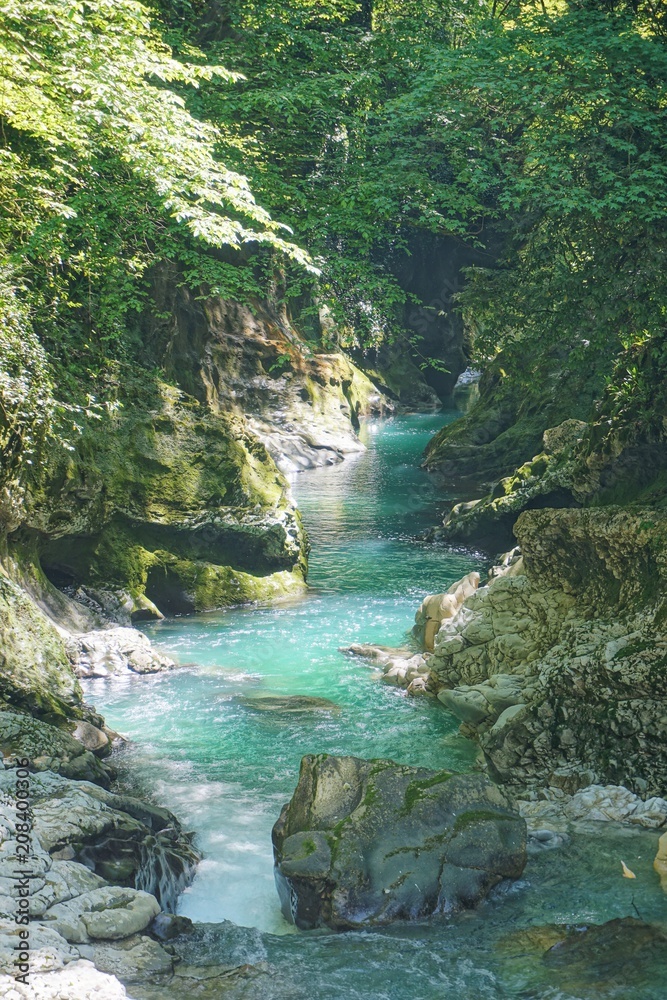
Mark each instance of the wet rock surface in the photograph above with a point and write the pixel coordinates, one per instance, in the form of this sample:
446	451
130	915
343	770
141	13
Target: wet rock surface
660	861
437	608
399	667
55	749
217	961
369	842
608	950
554	808
87	931
96	834
618	955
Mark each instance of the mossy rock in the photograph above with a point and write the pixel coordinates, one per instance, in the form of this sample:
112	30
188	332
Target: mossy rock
177	505
504	427
366	842
35	672
49	748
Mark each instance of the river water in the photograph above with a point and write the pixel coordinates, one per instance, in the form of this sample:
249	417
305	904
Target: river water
225	769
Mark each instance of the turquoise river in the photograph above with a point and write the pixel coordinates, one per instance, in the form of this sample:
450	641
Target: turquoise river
225	769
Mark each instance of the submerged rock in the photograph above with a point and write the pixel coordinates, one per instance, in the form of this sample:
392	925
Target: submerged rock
400	667
135	957
289	704
370	842
217	982
609	951
583	958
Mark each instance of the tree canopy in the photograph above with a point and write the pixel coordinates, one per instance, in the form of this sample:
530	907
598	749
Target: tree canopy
323	141
534	130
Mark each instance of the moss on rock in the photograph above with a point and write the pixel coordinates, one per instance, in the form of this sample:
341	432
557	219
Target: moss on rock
35	672
175	504
392	842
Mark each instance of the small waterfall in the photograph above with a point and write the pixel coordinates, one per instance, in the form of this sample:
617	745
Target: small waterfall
168	864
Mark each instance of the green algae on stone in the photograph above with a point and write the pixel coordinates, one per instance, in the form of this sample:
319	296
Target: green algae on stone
35	673
177	505
383	862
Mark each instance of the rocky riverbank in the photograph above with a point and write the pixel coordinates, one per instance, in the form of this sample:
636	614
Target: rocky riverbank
99	870
555	664
94	868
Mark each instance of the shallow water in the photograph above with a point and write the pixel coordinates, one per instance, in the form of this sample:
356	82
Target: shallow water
226	769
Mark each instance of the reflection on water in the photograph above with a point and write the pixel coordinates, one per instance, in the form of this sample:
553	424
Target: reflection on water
226	768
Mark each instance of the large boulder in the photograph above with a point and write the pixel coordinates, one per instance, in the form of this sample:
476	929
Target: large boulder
115	651
366	842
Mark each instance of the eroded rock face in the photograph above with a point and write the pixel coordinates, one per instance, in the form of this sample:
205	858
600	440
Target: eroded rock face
83	931
504	427
557	667
118	838
546	480
369	842
302	402
439	607
175	505
35	672
177	502
52	749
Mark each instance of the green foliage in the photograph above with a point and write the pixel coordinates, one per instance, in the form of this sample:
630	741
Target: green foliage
315	108
26	402
538	139
563	146
534	133
104	172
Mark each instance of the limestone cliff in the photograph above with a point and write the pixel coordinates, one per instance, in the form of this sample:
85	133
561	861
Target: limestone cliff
174	500
612	459
557	668
504	427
